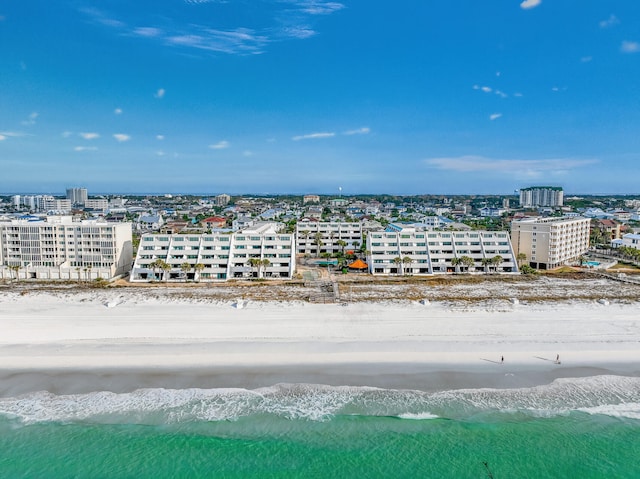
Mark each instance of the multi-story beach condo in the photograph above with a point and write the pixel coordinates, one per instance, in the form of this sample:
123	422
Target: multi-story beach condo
77	196
550	242
541	196
97	204
419	250
60	248
317	237
223	199
259	251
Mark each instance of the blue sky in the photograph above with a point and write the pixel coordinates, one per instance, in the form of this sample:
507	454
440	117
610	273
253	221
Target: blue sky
307	96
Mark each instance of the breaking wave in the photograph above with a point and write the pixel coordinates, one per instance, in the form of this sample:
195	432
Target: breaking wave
615	396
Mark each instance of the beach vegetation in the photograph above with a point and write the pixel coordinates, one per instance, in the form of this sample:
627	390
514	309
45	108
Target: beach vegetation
185	268
456	262
407	262
526	269
467	262
198	270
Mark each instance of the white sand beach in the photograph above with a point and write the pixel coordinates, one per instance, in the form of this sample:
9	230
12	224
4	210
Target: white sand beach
125	339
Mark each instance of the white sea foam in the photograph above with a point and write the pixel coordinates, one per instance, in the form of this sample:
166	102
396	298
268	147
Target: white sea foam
609	395
626	410
418	416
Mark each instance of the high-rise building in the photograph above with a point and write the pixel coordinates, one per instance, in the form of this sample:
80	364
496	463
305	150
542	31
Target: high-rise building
60	248
77	196
549	243
536	196
223	199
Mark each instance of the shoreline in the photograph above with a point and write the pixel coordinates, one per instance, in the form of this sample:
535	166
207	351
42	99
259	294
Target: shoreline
115	340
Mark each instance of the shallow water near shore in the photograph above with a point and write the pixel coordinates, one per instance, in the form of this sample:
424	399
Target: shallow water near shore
584	427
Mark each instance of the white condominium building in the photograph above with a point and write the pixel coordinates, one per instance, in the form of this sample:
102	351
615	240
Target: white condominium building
422	251
317	237
550	242
60	248
256	252
541	196
77	196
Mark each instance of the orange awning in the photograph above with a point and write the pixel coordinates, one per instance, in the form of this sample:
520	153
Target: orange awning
358	264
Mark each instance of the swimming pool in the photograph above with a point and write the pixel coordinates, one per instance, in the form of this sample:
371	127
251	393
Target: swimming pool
592	264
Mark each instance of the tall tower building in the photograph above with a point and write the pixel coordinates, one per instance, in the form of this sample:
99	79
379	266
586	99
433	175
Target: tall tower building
77	196
541	196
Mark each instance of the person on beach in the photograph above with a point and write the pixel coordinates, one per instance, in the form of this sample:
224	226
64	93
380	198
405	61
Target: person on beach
501	359
557	359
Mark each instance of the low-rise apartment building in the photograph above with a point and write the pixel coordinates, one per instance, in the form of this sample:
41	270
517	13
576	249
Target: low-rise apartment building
419	251
317	237
549	243
215	256
58	248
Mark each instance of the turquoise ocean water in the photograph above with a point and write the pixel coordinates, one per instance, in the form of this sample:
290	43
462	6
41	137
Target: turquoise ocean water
585	428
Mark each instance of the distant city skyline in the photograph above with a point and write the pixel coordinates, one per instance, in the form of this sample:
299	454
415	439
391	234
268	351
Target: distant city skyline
310	96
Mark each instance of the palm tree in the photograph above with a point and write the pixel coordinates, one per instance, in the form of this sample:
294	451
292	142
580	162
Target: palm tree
255	263
496	261
88	270
485	263
398	262
407	261
342	245
16	270
165	267
456	262
467	262
155	266
264	263
521	258
198	270
318	242
185	267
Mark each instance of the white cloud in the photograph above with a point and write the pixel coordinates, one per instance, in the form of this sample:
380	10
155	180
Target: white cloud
501	94
117	111
66	134
486	89
160	137
360	131
495	116
312	136
609	22
121	137
11	134
299	31
31	120
160	93
289	21
247	153
517	94
147	32
317	7
586	59
221	145
2	137
630	47
530	4
89	136
85	148
470	164
160	153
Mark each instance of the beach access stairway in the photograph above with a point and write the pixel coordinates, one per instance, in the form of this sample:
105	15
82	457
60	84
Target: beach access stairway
622	277
323	291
